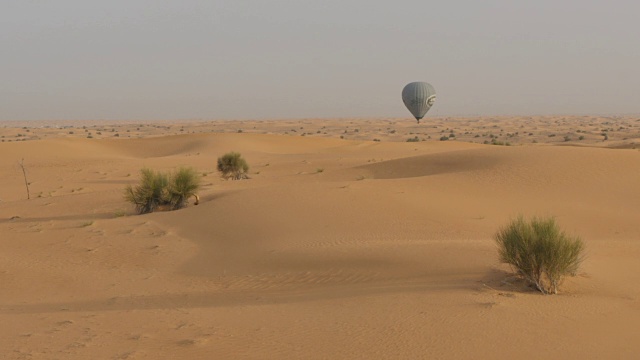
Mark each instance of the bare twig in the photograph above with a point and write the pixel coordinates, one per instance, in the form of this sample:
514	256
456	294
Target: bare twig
24	173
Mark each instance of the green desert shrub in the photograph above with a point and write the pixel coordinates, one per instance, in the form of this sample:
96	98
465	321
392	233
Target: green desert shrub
150	193
540	252
183	184
233	166
160	189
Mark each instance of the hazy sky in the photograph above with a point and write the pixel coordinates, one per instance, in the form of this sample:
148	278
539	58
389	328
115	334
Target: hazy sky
250	59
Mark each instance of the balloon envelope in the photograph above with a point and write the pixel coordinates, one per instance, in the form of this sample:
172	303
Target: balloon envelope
418	97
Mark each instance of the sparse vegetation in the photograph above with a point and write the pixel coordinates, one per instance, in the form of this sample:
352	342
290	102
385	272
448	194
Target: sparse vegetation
500	143
540	252
150	192
183	184
233	166
159	189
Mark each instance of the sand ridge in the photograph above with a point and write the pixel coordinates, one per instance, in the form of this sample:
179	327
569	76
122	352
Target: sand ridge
335	248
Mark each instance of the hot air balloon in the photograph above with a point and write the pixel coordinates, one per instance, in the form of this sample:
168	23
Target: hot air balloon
418	97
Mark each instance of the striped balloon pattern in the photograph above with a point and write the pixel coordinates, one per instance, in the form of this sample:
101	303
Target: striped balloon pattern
418	97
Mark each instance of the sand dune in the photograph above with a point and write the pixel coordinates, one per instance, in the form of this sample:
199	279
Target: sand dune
335	248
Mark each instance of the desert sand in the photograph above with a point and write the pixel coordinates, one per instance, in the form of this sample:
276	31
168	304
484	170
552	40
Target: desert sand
347	241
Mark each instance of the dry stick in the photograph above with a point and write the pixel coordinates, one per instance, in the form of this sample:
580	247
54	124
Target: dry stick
24	173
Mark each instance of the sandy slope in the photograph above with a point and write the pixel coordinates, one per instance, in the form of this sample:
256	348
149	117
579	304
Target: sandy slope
333	249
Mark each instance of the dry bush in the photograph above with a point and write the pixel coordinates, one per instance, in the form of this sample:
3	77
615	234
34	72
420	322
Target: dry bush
540	252
183	184
150	193
159	189
233	166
